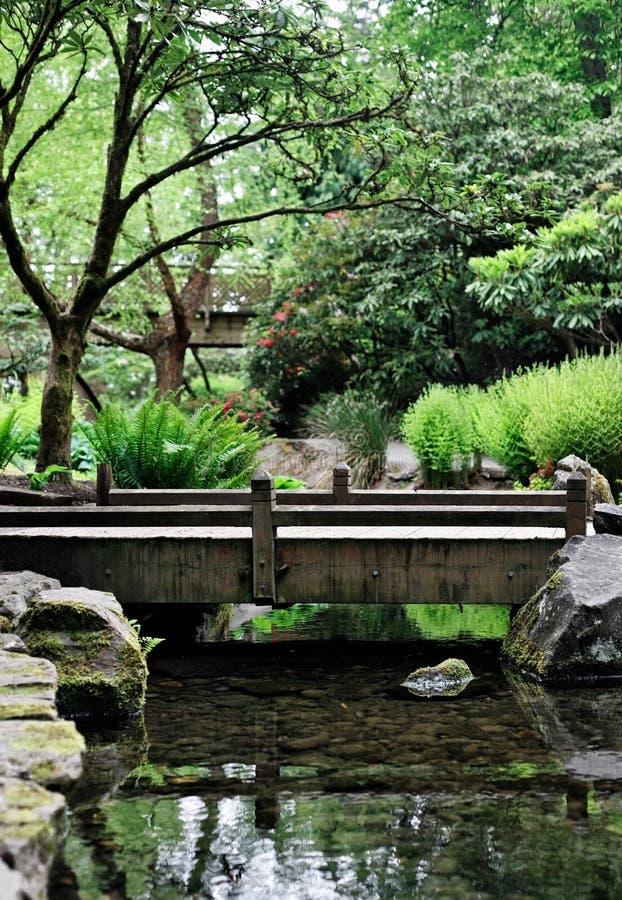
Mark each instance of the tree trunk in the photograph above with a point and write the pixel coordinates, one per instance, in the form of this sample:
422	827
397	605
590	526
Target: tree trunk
588	27
66	350
168	360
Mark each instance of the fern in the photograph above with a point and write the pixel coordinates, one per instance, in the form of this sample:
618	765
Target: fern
11	436
159	446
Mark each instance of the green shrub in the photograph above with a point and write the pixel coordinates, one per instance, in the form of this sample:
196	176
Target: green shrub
157	445
578	409
500	417
438	429
361	424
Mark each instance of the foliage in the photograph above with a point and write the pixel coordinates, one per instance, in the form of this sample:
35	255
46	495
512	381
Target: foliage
499	421
147	644
288	483
250	405
579	410
12	437
245	405
107	89
157	445
569	41
380	300
361	424
568	277
38	480
439	432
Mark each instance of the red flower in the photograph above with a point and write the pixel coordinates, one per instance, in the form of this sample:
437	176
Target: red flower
279	316
265	342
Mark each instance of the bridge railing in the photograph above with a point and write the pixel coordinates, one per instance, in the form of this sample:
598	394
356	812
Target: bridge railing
343	506
338	507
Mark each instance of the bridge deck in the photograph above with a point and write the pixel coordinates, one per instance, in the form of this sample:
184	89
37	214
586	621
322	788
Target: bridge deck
347	564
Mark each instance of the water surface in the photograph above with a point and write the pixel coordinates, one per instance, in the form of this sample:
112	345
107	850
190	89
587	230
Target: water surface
296	768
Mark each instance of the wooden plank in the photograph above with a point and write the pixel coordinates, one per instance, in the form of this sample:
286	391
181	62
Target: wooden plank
177	497
458	498
406	570
125	516
577	504
545	516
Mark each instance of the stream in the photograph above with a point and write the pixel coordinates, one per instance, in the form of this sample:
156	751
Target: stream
281	758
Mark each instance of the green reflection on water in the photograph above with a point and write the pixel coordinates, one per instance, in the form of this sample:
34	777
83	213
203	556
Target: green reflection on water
440	622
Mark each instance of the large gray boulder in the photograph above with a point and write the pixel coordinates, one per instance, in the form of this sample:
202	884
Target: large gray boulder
17	588
608	519
573	626
600	490
100	664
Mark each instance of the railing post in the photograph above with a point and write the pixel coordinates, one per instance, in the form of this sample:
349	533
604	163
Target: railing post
263	501
576	504
342	477
104	484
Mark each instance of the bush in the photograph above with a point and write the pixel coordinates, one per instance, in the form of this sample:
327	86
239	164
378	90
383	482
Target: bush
245	405
361	424
438	429
578	409
499	421
157	445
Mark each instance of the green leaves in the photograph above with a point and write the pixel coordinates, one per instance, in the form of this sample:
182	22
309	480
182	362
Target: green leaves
12	437
438	430
567	276
157	445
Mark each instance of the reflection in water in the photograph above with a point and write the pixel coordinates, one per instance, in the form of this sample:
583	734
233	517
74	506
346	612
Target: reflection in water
346	622
297	770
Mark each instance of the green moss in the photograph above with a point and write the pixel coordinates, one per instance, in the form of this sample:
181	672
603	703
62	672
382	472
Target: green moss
100	696
58	738
24	690
5	625
48	646
61	615
27	711
517	649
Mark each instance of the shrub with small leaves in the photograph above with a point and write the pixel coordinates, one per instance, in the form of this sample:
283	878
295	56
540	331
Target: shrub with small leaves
438	429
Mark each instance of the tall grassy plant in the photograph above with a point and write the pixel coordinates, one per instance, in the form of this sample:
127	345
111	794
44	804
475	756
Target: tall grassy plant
499	421
438	429
157	445
578	410
361	424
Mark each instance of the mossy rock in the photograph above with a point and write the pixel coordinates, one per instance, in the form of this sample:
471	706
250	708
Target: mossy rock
32	822
572	628
101	667
447	679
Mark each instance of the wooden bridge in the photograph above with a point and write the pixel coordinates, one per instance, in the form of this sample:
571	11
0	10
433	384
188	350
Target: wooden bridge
342	546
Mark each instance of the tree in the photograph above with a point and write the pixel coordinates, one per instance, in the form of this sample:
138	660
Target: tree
570	41
273	82
390	310
567	279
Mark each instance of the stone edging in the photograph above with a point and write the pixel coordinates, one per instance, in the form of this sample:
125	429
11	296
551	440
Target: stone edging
39	754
